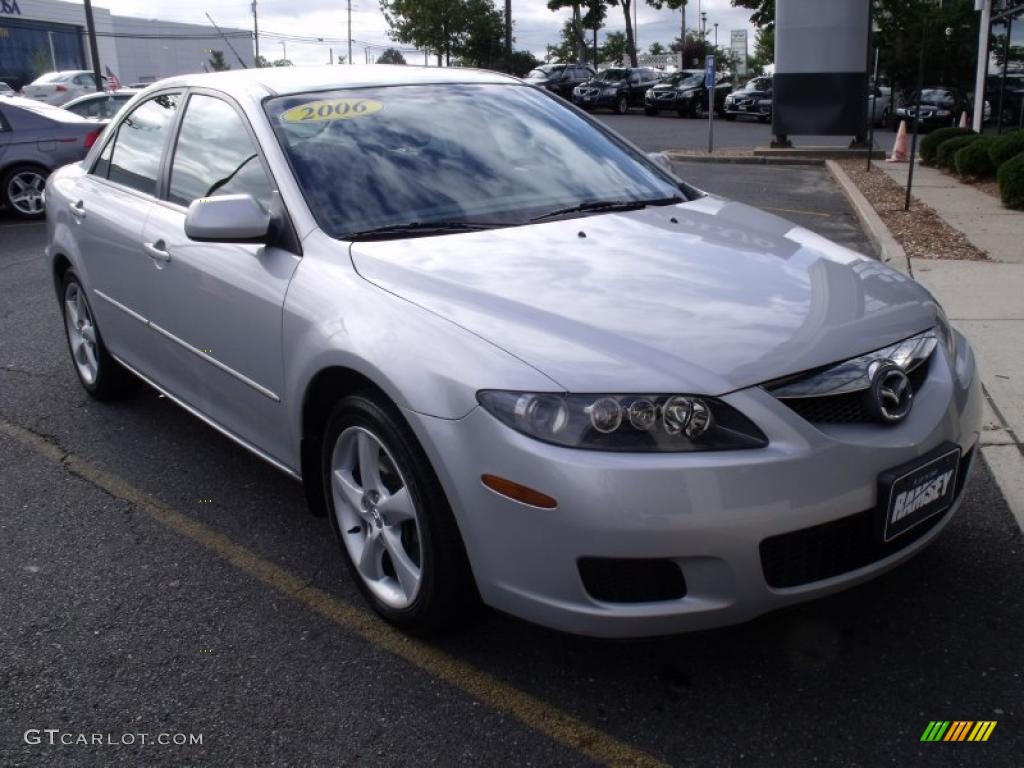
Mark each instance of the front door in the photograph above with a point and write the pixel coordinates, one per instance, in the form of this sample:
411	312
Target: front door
217	307
109	212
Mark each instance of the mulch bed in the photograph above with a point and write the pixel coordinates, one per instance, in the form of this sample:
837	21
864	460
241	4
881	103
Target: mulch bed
922	232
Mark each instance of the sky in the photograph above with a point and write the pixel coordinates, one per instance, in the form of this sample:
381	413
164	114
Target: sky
533	24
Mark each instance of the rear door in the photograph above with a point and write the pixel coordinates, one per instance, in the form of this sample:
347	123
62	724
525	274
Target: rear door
111	206
217	307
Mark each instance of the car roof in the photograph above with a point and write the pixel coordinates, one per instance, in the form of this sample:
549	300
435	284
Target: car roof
289	80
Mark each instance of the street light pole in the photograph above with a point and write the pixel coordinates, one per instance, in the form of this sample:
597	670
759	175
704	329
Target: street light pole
94	53
284	49
984	31
716	34
350	32
256	31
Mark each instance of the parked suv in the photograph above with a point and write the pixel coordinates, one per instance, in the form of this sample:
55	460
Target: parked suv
560	78
940	106
754	99
616	88
684	93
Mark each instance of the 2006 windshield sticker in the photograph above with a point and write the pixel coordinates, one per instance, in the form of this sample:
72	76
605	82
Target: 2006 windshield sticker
331	109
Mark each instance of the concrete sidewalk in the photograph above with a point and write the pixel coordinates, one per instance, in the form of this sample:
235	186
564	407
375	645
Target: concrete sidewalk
985	300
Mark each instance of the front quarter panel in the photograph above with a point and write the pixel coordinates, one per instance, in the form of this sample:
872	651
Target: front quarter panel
61	191
422	361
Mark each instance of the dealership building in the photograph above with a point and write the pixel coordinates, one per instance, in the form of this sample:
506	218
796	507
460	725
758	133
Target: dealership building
38	36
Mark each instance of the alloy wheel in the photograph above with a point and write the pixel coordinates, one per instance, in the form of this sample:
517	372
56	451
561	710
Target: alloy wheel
25	192
623	105
377	516
81	333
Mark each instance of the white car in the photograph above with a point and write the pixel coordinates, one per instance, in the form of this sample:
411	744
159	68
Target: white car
60	87
100	106
882	106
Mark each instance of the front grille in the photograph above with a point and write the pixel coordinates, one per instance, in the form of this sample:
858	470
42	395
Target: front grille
664	95
614	580
843	545
847	408
588	91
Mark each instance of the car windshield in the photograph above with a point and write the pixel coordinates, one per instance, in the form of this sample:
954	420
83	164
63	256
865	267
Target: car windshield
391	157
936	96
758	84
613	74
542	73
684	79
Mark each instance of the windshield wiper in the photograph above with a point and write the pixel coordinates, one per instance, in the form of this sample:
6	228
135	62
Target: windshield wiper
420	228
608	206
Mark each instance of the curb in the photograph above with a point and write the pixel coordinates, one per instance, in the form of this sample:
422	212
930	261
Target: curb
890	252
679	157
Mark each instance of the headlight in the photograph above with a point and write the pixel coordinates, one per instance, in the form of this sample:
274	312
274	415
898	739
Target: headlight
643	423
946	334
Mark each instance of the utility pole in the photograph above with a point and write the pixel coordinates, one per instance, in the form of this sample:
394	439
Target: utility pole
350	32
716	34
508	32
330	59
984	31
284	50
256	30
94	53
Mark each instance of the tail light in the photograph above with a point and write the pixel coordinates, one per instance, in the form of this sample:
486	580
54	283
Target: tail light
91	137
61	88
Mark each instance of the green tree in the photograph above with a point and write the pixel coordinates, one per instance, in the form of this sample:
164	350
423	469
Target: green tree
672	5
764	48
217	63
565	48
41	62
391	56
481	40
431	25
614	50
948	60
763	11
627	13
262	61
694	50
657	49
593	20
575	28
520	63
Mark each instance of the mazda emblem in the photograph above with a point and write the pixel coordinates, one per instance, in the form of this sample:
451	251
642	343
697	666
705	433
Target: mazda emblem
890	395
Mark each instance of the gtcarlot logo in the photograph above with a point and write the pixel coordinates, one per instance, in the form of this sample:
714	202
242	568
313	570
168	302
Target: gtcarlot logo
55	737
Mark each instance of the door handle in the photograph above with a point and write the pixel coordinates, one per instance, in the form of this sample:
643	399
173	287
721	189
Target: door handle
78	209
158	251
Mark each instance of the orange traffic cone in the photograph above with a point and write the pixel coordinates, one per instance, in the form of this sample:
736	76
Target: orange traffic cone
963	120
900	152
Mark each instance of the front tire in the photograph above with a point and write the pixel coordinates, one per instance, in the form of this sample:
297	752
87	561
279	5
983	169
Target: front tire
397	534
99	373
21	191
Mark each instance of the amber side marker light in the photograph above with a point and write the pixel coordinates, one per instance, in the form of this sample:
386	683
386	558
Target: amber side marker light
518	492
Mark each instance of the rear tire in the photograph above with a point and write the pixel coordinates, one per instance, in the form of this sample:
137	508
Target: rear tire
395	529
21	191
622	105
98	373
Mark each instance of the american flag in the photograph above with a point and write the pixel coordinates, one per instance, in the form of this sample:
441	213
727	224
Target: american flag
112	80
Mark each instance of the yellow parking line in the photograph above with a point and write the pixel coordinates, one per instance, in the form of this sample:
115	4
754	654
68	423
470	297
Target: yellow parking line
794	210
501	697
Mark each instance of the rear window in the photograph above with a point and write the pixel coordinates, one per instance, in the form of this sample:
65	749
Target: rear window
53	77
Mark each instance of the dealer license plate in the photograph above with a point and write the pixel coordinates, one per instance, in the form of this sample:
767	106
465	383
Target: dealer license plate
918	490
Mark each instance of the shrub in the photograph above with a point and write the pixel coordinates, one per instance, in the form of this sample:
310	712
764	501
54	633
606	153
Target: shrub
974	161
1006	146
1011	182
930	143
948	148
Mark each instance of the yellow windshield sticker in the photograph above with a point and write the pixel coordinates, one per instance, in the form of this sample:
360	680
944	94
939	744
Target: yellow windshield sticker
331	109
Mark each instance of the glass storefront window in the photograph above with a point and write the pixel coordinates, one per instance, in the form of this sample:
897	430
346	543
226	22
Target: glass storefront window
29	49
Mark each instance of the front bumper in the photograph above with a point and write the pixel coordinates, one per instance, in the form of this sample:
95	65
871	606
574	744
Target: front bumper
926	121
753	110
599	101
707	512
675	103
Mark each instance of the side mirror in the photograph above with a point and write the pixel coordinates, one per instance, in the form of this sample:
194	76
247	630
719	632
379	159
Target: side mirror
227	219
661	160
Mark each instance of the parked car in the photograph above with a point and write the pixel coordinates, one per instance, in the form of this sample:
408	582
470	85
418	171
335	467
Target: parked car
560	78
60	87
880	105
35	138
940	106
483	381
616	88
685	94
5	89
100	106
754	100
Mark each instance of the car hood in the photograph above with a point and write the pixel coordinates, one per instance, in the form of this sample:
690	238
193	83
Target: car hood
724	297
670	87
598	83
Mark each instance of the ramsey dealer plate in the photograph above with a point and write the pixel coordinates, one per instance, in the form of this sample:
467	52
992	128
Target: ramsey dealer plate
918	490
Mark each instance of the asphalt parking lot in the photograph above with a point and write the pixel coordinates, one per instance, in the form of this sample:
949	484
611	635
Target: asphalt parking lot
158	579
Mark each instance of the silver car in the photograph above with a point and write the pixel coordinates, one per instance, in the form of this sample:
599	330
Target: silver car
509	356
100	106
60	87
35	138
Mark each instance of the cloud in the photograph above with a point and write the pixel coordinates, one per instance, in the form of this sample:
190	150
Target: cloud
534	25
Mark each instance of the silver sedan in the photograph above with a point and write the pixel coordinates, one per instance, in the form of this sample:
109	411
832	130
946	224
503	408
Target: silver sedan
513	359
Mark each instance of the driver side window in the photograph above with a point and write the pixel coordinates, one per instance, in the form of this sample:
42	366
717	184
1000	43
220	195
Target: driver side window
215	155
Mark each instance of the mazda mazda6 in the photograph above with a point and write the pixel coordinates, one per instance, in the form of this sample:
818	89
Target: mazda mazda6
513	359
